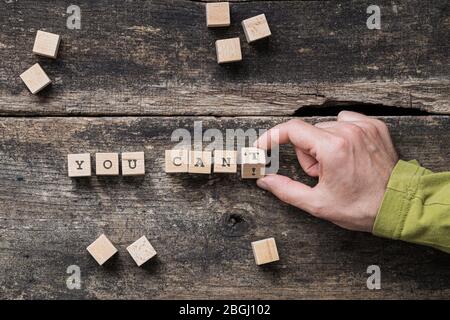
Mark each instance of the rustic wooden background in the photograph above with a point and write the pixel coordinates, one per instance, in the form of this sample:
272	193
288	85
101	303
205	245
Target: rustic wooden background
136	71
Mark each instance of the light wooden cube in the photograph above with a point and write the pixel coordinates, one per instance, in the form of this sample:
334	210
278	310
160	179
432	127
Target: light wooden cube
225	161
256	28
133	163
200	162
141	251
252	171
176	161
107	164
79	165
228	50
101	249
218	14
265	251
46	44
253	163
35	78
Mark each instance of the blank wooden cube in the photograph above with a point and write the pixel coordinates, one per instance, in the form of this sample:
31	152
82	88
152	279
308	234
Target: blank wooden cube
253	163
46	44
101	249
35	78
141	251
200	162
265	251
256	28
218	14
133	163
228	50
107	164
79	165
225	161
176	161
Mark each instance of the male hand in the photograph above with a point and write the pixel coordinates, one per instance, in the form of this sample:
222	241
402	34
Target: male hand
353	158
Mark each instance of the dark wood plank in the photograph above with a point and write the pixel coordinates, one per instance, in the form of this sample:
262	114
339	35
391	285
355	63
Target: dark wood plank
158	58
201	226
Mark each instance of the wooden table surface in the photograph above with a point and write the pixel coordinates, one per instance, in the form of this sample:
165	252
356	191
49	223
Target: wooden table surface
138	70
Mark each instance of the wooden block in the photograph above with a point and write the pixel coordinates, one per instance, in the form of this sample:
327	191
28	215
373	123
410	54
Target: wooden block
141	251
225	161
265	251
256	28
218	14
253	163
107	164
133	163
35	78
200	162
46	44
252	171
101	249
79	165
176	161
228	50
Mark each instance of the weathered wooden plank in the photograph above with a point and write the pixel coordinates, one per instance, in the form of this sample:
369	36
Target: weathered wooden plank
157	57
201	227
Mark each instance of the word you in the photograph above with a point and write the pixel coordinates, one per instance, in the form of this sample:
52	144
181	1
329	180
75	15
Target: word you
106	164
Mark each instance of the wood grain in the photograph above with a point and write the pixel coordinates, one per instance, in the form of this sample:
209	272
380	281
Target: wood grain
157	58
201	226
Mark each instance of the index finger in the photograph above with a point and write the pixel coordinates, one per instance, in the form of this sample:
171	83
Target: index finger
301	134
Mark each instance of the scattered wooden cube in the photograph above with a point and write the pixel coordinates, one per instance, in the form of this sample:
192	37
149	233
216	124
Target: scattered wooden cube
176	161
35	78
101	249
253	163
141	251
256	28
46	44
79	165
218	14
265	251
225	161
133	163
107	164
200	162
228	50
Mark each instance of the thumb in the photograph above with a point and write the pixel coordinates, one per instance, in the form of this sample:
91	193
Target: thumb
292	192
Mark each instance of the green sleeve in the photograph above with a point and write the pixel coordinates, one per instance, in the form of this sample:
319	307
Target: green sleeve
416	207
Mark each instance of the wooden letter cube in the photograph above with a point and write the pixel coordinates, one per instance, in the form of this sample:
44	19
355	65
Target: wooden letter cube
141	251
265	251
200	162
35	78
225	161
79	165
133	163
228	50
101	249
253	163
46	44
107	164
256	28
176	161
218	14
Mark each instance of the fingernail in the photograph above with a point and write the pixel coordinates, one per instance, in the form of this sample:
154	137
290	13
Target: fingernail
262	184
